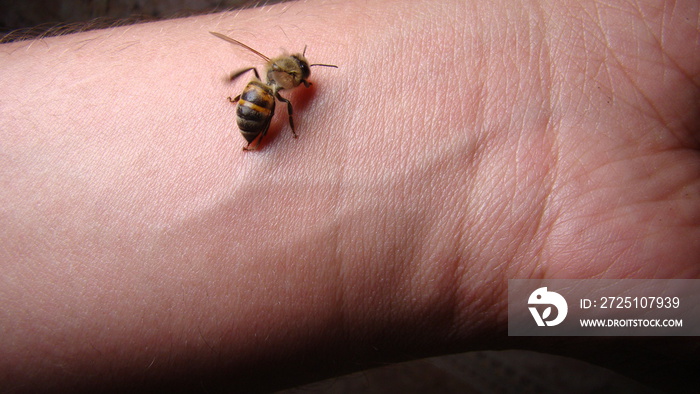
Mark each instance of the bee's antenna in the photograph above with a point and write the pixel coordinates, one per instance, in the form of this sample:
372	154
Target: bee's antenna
324	65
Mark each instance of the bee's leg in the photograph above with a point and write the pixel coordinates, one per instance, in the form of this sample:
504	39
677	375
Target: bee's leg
235	99
264	132
289	111
238	73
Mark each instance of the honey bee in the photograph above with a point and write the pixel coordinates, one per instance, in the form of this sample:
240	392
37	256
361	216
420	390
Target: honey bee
256	104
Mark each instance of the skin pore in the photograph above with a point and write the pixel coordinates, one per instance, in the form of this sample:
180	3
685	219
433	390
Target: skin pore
458	145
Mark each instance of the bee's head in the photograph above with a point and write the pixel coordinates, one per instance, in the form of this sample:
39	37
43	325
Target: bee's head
303	65
290	71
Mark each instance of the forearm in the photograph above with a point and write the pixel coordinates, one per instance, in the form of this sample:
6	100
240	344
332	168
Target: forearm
137	235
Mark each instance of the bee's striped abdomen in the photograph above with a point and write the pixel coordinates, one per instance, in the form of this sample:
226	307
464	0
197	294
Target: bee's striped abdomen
255	109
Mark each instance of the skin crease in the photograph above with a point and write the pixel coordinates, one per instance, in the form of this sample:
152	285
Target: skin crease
458	145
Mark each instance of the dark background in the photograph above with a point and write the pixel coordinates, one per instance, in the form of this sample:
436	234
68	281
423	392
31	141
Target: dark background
21	19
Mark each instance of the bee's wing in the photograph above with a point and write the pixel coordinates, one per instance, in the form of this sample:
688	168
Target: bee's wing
236	42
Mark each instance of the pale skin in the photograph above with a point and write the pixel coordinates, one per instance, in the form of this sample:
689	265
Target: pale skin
458	145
